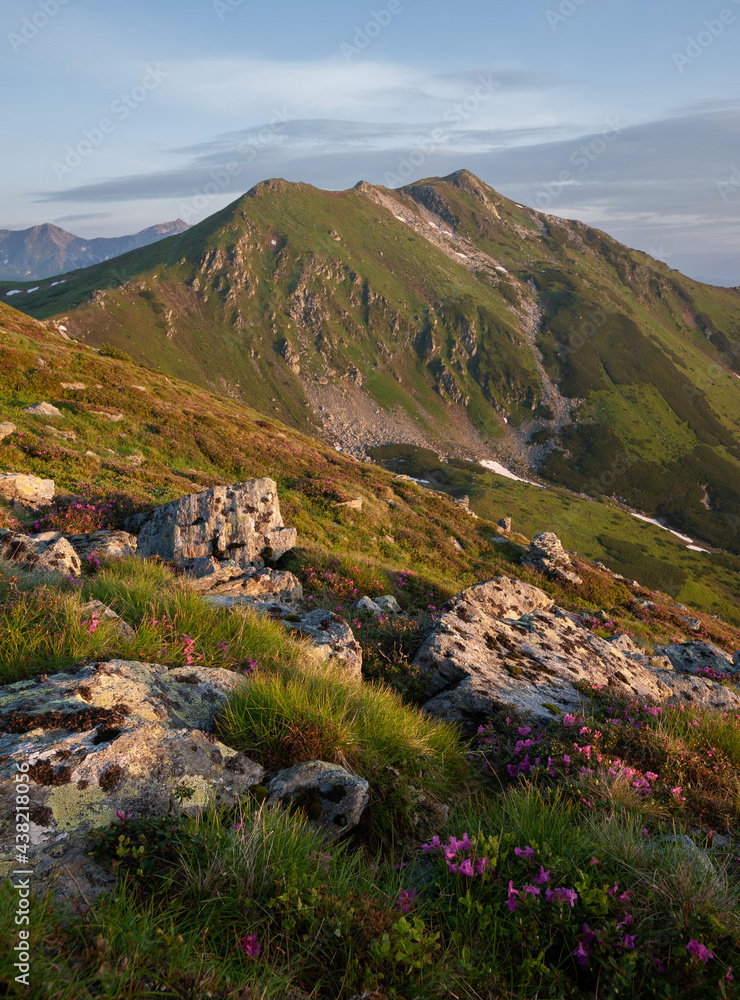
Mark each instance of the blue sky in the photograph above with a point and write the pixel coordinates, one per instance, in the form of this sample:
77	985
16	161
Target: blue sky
624	114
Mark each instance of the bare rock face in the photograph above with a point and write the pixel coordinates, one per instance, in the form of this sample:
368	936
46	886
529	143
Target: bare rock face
332	798
503	642
6	429
332	637
48	552
239	523
546	553
103	544
24	489
113	737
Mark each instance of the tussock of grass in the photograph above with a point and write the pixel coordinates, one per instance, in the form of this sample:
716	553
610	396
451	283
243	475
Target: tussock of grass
315	712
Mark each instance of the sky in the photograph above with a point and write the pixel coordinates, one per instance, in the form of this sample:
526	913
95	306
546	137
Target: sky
622	113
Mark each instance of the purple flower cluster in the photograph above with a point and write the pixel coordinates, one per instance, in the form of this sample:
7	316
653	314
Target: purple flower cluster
459	856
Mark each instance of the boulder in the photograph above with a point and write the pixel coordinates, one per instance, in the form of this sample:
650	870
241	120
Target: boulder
240	523
113	737
74	386
6	429
350	504
97	611
546	554
333	638
230	580
22	488
369	606
388	603
103	544
64	435
504	642
48	552
505	524
332	798
690	657
43	410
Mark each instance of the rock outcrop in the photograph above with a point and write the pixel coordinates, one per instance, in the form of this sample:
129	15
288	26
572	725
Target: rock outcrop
504	642
546	553
332	798
30	491
48	552
111	737
240	523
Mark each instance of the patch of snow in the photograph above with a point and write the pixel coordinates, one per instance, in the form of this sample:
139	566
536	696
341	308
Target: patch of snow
461	255
651	520
62	328
418	480
273	242
696	548
499	268
399	217
29	290
432	224
518	206
14	291
501	470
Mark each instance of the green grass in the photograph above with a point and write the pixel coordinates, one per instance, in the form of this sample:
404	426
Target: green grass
317	713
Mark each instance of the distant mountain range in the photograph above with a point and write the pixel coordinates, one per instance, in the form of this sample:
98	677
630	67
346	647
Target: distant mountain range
444	316
47	250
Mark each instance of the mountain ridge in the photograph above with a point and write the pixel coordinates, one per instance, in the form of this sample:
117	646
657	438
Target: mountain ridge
46	250
445	316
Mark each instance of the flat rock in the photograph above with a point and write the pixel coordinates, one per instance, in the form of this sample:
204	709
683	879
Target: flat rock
115	693
332	798
113	418
503	642
75	386
43	410
119	736
64	435
240	523
26	489
263	585
6	429
48	552
103	544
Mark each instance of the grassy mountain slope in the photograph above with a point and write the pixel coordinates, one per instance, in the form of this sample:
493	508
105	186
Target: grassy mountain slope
490	327
251	902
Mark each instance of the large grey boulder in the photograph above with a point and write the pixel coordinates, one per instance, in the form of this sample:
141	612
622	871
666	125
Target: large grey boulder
331	798
503	642
118	737
19	487
240	523
48	552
